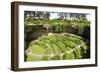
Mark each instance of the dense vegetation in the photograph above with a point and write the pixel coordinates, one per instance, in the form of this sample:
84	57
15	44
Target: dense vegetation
58	47
59	38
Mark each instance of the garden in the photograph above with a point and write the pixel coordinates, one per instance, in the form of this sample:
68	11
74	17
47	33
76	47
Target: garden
56	36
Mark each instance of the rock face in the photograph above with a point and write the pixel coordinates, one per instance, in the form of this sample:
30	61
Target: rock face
63	46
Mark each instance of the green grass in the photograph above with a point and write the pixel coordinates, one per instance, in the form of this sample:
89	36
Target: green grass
51	46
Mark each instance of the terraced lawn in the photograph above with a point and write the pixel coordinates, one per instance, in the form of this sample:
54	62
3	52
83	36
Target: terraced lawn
62	46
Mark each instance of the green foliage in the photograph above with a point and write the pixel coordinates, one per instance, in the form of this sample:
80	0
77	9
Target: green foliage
56	46
68	56
78	53
45	58
33	58
37	49
52	46
56	57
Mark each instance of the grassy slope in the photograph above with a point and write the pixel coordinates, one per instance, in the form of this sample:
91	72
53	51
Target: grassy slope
50	47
